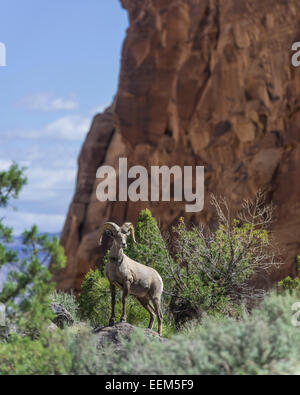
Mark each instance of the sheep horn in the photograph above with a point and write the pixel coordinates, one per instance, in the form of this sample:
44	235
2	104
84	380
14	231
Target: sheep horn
128	227
108	226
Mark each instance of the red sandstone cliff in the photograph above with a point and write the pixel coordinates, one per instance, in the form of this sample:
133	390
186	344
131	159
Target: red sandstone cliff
202	82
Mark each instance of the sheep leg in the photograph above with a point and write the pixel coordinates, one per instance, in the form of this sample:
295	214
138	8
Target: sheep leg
126	287
156	304
113	304
145	303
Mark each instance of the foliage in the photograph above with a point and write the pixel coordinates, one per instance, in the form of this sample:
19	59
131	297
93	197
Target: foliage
29	282
298	263
26	292
264	342
151	248
68	301
289	284
95	302
212	270
23	356
209	273
81	345
11	183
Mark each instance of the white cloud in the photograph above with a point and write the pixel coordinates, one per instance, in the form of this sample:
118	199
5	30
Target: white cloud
51	172
47	102
22	220
50	155
5	164
51	183
70	128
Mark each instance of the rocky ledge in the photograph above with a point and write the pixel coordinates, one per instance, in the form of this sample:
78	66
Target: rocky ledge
115	334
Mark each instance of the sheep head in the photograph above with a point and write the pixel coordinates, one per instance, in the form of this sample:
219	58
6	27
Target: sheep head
128	229
110	228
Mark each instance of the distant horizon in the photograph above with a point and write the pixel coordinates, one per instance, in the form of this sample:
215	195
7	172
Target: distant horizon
57	234
52	87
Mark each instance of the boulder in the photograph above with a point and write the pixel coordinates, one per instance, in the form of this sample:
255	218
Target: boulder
114	334
63	317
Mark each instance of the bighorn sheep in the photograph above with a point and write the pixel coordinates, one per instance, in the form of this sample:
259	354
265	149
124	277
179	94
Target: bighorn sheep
132	277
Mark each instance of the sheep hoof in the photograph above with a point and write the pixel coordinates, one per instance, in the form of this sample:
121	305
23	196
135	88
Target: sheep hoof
122	320
111	322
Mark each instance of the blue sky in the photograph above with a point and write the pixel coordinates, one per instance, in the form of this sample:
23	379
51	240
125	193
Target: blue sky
63	61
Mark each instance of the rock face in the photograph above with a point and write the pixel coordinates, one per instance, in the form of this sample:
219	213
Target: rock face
115	334
203	82
62	316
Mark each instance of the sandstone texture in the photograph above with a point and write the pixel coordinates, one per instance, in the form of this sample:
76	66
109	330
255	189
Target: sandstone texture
121	331
202	82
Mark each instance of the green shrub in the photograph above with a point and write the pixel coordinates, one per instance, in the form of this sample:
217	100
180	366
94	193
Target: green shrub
264	342
298	263
81	345
151	249
209	271
212	269
289	284
23	356
68	301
